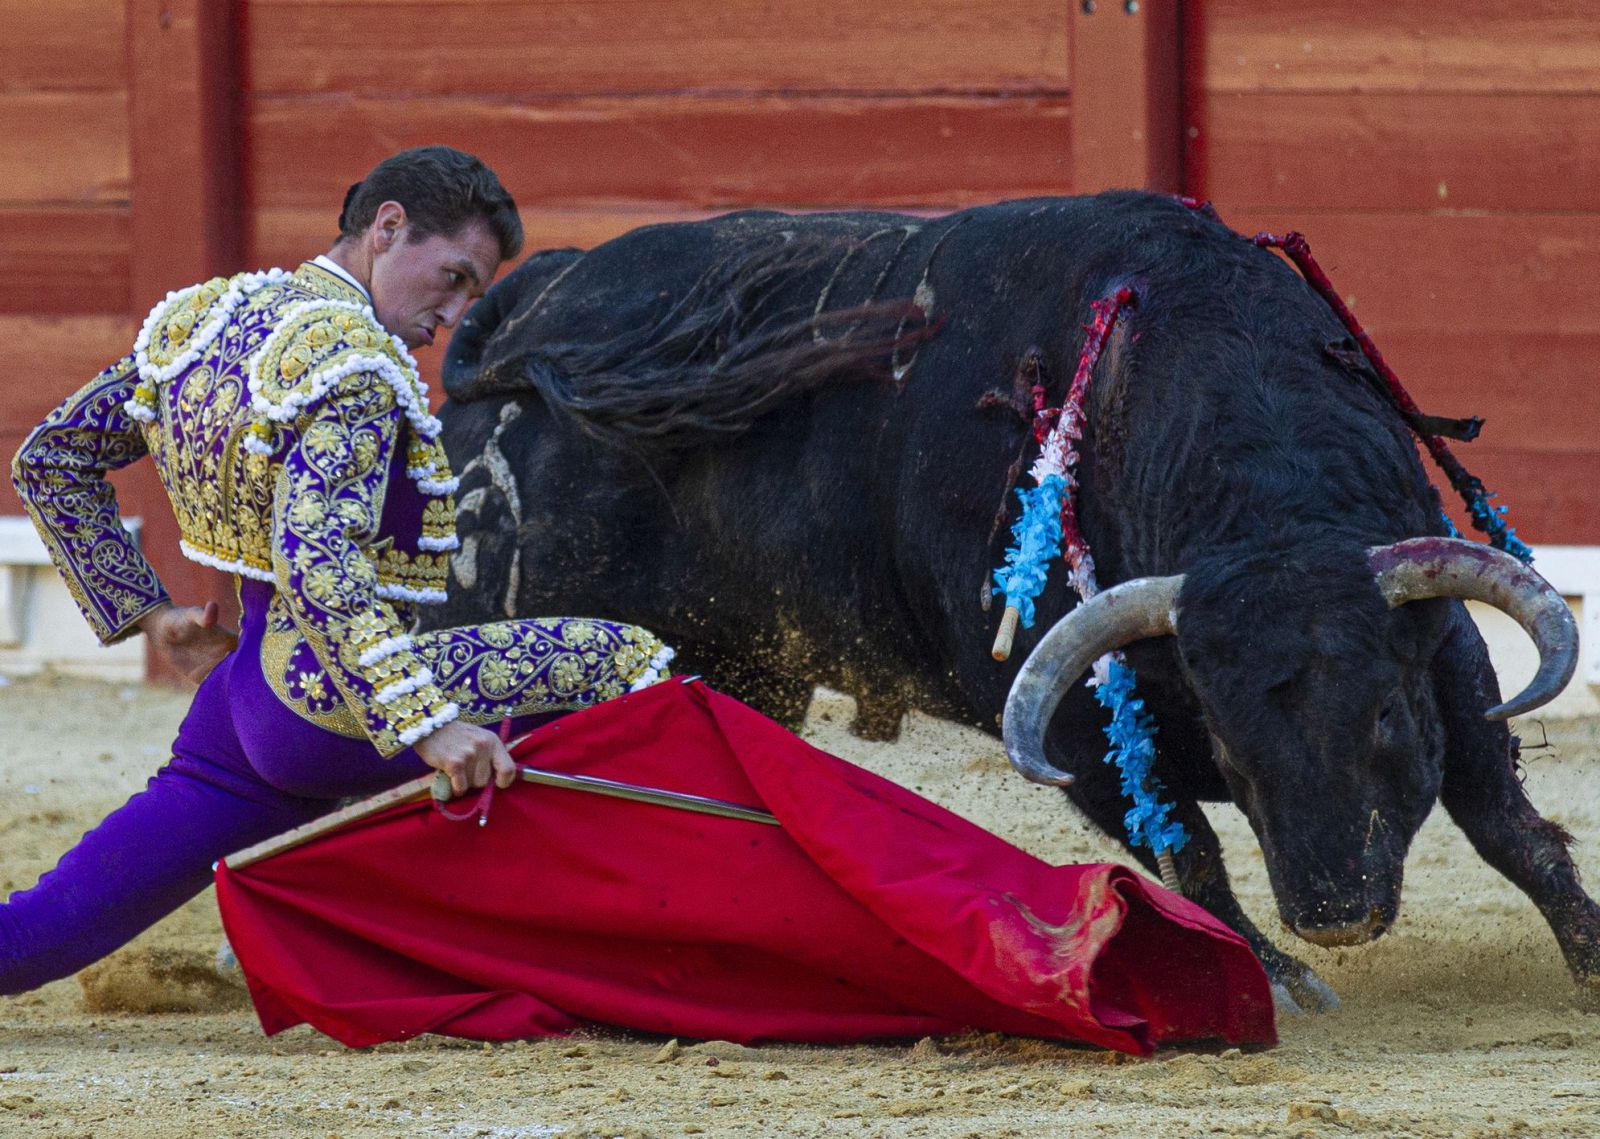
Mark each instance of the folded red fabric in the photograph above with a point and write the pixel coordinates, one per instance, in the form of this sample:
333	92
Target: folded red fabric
871	913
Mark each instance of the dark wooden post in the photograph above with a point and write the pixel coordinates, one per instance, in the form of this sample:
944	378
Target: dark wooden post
1126	95
185	119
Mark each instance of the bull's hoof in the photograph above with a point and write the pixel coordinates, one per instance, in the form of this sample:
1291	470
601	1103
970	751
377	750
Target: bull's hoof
1302	992
1588	997
226	962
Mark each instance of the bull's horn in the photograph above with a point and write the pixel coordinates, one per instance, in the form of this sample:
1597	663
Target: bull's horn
1144	607
1419	568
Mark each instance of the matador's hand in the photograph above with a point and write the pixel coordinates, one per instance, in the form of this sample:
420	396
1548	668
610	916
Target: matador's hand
469	755
189	638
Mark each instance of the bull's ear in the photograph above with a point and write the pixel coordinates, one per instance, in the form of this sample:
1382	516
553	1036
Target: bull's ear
1418	630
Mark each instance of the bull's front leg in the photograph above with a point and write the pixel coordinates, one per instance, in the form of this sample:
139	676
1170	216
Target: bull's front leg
1295	985
1096	791
1484	795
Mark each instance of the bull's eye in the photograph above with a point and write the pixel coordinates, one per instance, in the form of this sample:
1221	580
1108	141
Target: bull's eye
1281	685
1388	719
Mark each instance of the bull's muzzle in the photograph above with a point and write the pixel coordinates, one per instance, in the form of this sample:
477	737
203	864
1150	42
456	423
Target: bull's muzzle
1337	936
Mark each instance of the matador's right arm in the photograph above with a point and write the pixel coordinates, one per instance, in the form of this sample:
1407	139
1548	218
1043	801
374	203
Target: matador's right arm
60	474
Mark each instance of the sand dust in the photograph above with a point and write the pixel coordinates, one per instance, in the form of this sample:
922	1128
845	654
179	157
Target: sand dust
1461	1022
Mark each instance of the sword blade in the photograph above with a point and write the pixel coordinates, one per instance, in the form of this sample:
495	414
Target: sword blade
680	800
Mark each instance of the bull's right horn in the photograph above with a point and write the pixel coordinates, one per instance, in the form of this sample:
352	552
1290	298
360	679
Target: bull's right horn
1144	607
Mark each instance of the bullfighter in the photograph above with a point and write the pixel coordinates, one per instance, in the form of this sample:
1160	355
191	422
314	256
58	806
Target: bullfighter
292	433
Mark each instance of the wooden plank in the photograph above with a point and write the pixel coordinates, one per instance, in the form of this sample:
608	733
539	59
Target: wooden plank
1536	392
64	259
63	45
285	237
697	151
10	439
44	358
1379	45
1125	82
63	147
184	127
1527	274
461	47
187	225
1550	493
1397	151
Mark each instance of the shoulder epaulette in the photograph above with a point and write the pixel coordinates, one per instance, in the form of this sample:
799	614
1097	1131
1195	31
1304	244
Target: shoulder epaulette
182	325
313	345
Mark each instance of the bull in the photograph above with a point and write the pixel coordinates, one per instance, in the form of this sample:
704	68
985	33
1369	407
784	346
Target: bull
787	444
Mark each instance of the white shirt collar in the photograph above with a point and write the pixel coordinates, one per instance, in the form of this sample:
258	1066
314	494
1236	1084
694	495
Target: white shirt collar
323	261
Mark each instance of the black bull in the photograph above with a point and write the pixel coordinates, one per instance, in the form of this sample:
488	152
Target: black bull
787	443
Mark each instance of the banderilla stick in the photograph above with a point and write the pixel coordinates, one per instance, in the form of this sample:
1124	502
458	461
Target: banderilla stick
1169	872
1007	633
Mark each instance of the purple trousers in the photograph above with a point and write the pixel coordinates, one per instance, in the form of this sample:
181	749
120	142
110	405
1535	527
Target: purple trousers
244	768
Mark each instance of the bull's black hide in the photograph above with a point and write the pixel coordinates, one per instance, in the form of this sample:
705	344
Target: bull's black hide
653	431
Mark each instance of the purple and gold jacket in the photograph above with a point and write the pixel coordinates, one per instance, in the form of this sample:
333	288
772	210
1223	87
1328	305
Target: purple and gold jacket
293	437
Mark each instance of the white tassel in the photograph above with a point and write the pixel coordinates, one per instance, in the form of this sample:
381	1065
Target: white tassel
389	693
252	572
414	733
383	650
652	674
437	487
416	596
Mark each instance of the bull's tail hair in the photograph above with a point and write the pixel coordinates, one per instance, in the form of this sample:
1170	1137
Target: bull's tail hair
725	356
464	357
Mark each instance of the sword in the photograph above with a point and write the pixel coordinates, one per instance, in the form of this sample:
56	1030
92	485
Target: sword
595	785
438	786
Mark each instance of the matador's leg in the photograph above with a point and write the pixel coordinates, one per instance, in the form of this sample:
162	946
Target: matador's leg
148	857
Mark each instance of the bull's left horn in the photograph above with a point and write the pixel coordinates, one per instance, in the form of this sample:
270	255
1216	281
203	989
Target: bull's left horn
1144	607
1419	568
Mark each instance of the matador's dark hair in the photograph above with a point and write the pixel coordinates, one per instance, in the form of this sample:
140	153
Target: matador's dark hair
442	189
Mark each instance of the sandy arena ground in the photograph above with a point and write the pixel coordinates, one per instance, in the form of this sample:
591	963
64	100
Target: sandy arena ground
1461	1022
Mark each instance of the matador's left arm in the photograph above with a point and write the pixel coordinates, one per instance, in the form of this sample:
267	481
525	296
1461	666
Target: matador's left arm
327	506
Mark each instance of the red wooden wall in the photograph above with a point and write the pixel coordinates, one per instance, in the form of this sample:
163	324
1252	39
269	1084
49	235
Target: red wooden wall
1444	160
604	114
64	206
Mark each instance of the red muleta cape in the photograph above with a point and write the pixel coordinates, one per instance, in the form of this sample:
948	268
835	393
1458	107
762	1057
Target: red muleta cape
872	913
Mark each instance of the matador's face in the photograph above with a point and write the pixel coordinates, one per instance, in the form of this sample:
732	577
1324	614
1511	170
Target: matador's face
421	284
